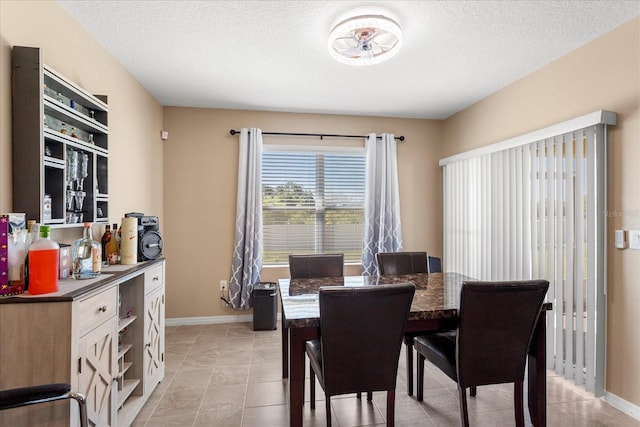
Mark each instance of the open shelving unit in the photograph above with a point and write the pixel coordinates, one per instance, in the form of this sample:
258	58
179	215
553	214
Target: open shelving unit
60	145
129	376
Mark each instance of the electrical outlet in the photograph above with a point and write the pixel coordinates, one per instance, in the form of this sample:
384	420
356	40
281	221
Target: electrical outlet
223	285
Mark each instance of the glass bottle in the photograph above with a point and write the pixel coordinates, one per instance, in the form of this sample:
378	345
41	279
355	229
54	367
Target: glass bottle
63	129
106	237
43	263
86	255
112	247
73	133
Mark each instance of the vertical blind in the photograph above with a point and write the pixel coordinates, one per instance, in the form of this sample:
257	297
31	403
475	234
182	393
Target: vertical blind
531	208
313	201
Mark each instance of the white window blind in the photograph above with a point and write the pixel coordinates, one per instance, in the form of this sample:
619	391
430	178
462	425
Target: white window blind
313	201
531	208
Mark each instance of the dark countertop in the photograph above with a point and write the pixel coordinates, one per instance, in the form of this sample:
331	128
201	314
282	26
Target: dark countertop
71	289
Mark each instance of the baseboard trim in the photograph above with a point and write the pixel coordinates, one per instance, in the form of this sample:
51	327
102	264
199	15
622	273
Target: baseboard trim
622	405
209	320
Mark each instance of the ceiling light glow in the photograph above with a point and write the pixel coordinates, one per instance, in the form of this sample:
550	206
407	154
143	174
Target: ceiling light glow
365	40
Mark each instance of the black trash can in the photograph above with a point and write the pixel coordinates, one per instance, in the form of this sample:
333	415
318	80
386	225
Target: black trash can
265	306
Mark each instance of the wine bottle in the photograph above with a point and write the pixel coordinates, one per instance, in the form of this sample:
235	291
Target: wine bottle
86	256
105	240
112	246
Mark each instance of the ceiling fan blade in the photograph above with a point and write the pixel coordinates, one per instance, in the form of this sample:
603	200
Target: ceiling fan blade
384	48
386	38
348	41
375	35
353	52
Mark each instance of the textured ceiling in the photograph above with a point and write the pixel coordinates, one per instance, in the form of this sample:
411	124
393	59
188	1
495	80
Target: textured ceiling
272	55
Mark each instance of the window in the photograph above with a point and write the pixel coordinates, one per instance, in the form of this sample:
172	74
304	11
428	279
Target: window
312	201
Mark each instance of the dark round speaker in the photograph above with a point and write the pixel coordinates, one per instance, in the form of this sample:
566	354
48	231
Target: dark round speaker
149	245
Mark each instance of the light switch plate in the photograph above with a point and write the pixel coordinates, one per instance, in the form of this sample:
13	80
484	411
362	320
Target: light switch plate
634	239
621	239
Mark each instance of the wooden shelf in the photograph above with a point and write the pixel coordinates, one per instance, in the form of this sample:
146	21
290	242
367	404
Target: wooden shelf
128	411
123	322
124	369
127	389
122	350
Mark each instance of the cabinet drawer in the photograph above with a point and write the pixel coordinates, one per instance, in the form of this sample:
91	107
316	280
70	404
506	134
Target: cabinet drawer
96	309
153	279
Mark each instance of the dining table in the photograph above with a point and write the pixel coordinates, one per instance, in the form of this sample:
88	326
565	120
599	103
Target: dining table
434	308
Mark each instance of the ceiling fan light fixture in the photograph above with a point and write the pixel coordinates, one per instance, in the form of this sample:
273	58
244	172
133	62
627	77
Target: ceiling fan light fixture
365	40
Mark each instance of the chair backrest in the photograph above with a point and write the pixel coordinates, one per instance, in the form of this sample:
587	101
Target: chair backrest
496	324
401	262
316	265
361	331
434	264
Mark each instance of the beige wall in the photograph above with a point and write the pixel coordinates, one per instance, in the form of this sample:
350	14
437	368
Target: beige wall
135	117
604	74
200	175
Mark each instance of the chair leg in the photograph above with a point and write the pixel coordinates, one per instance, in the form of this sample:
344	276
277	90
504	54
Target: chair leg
82	403
312	389
391	407
359	395
518	403
409	343
473	390
420	391
328	409
464	413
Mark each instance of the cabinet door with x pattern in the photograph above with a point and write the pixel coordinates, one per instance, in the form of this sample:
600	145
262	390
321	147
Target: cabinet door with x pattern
98	368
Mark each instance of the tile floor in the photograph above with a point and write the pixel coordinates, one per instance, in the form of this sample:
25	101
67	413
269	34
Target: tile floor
228	375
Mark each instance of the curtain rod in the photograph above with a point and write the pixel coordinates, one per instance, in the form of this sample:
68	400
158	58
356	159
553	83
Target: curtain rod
318	135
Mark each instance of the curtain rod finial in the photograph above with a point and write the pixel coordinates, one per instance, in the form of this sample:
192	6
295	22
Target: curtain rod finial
233	131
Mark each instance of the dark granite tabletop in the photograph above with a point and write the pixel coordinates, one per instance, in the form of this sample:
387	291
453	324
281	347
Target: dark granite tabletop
436	297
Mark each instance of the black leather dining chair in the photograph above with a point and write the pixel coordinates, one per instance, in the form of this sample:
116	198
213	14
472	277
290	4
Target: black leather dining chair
310	266
24	396
401	262
361	331
316	265
496	324
404	263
